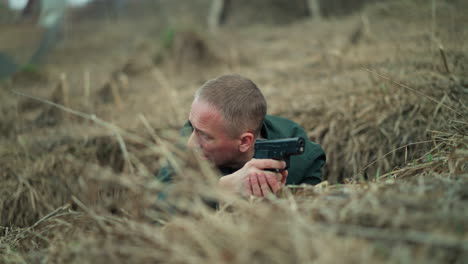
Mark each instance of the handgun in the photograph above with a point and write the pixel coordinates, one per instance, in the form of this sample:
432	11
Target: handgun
279	149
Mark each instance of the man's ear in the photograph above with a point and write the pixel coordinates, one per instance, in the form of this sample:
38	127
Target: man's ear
246	141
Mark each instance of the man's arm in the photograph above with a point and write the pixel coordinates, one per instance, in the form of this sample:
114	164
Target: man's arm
314	163
166	172
305	168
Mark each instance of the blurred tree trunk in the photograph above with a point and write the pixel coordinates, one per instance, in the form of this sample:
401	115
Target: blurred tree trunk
243	12
218	13
342	7
313	9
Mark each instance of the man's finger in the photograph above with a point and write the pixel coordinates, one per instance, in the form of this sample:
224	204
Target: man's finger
248	186
276	175
264	184
273	182
255	185
269	164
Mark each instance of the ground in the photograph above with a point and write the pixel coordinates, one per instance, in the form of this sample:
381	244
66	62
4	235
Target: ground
383	91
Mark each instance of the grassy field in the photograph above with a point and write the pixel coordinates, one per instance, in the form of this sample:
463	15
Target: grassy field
384	92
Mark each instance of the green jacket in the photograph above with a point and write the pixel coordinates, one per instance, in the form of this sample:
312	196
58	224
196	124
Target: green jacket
305	168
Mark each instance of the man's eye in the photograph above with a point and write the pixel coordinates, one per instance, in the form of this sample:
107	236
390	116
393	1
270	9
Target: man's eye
205	136
199	134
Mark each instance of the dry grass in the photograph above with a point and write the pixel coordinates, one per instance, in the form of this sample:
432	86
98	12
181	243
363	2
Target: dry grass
82	190
375	131
420	217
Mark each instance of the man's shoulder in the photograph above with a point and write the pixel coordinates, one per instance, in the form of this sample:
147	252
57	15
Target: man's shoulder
280	127
279	119
305	168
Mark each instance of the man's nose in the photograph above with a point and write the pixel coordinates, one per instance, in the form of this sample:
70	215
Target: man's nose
192	142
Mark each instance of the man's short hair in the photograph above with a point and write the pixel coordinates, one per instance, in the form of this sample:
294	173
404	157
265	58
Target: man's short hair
239	100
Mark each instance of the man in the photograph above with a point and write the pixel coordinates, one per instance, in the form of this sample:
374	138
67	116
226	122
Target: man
51	19
228	115
52	16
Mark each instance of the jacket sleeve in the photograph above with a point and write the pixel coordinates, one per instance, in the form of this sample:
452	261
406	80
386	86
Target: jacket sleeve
315	160
310	163
166	172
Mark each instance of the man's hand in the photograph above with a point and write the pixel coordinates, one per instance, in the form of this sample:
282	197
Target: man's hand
253	179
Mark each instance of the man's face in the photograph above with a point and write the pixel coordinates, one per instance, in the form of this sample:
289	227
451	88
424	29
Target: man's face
210	135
